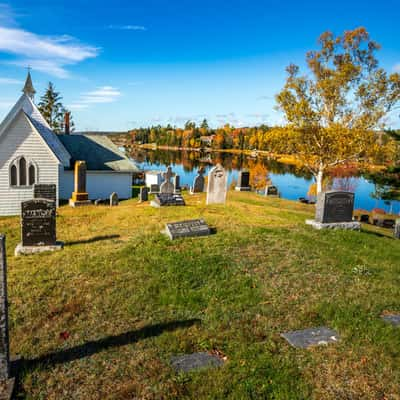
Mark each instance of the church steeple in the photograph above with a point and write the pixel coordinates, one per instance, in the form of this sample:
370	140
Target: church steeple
28	89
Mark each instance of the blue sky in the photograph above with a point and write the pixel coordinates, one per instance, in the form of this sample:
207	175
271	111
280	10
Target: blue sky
124	64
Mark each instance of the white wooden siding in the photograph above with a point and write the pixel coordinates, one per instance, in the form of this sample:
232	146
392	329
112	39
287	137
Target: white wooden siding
99	184
21	139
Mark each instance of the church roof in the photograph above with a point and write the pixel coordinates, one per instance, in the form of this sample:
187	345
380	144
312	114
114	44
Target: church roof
26	105
99	152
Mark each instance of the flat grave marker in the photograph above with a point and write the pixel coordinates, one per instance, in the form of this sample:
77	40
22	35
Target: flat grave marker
311	337
191	228
393	319
167	199
195	361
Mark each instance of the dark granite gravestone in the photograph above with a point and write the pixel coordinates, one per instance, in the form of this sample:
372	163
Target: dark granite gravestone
167	199
38	227
198	182
38	223
154	189
45	191
6	381
393	319
144	194
271	190
176	183
190	362
192	228
397	229
335	207
334	210
311	337
243	184
114	201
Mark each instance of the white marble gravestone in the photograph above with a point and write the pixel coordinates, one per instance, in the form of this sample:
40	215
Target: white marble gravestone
217	185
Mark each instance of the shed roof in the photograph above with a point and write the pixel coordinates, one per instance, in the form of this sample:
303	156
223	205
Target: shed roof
99	152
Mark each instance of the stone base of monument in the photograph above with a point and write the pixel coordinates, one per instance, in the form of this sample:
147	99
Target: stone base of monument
81	203
352	225
27	250
242	189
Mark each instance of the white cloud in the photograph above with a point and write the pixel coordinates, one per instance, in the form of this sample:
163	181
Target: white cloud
128	27
44	53
103	94
396	68
10	81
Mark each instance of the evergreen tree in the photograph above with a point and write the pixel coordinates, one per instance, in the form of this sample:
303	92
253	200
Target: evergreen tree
53	110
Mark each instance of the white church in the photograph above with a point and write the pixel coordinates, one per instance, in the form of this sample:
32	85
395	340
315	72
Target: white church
31	153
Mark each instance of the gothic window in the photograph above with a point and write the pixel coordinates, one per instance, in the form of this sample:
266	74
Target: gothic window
23	173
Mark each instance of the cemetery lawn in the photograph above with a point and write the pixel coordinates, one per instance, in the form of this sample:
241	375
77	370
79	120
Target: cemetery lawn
101	319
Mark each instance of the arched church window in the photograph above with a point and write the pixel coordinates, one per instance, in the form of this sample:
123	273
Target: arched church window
32	174
22	171
13	176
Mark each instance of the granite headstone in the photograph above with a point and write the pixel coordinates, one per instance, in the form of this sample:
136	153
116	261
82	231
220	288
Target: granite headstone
333	207
45	191
176	183
114	201
167	186
243	184
217	185
144	194
198	182
397	229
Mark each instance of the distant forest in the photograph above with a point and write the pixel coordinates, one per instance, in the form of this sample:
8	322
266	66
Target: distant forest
202	136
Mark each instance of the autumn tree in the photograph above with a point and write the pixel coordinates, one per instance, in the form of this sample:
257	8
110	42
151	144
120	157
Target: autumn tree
52	109
335	111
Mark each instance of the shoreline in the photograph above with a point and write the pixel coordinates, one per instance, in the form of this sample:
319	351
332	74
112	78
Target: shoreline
281	158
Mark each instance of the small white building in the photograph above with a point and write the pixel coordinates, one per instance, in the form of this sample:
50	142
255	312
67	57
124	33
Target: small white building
30	153
153	178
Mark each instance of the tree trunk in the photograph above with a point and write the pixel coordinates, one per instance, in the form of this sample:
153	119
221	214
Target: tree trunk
319	178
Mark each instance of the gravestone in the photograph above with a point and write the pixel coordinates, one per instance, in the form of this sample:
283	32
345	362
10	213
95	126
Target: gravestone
114	199
217	185
397	229
334	210
144	194
45	191
243	184
80	197
271	190
7	382
154	188
167	186
198	182
167	199
176	183
393	319
190	362
192	228
311	337
38	227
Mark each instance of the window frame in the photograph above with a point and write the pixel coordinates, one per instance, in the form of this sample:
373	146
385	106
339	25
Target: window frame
16	163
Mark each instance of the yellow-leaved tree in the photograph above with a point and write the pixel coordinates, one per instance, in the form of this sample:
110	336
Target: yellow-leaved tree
336	112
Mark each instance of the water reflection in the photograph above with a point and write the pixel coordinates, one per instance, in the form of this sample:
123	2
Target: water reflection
293	181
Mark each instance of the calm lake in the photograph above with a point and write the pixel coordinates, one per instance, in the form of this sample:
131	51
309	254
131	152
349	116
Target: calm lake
292	182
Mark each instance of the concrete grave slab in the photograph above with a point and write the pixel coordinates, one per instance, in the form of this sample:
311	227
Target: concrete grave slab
311	337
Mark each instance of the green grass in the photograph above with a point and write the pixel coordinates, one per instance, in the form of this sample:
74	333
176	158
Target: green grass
128	299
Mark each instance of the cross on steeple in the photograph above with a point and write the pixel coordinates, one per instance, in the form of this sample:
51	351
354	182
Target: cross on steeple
28	89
